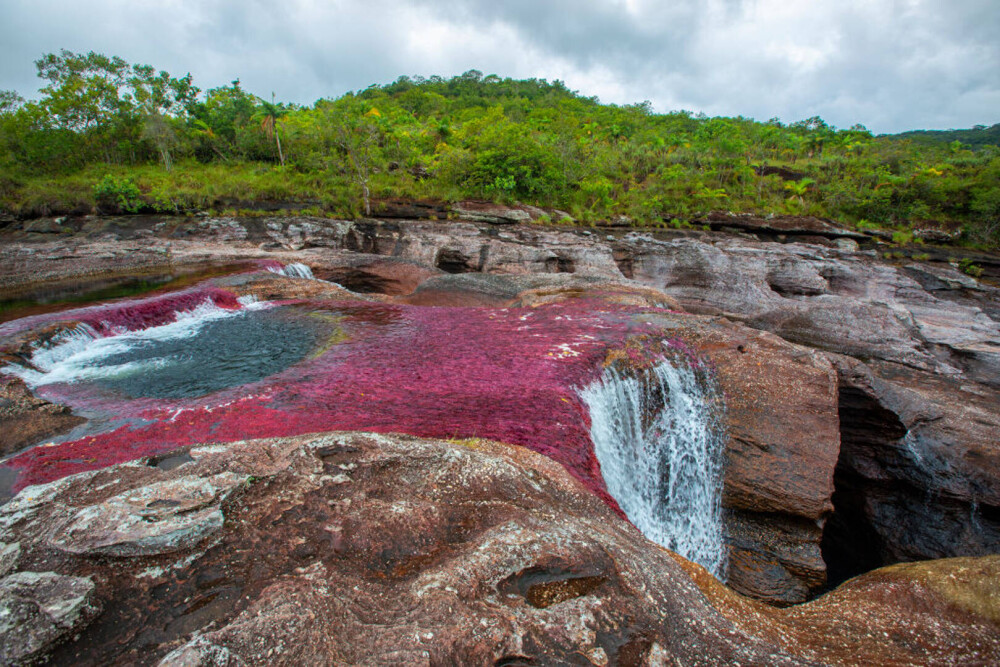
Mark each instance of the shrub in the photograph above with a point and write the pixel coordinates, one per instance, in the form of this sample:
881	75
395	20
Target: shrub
971	269
119	195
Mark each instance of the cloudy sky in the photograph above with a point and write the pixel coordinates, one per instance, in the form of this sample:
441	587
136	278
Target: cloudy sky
891	65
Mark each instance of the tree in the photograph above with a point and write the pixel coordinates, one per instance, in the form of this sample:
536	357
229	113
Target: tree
219	120
110	103
157	128
10	101
268	114
159	96
359	136
799	188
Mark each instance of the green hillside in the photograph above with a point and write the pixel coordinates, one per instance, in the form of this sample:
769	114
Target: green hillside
125	137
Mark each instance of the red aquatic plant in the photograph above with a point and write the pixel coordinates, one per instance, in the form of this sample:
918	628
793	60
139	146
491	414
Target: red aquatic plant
502	374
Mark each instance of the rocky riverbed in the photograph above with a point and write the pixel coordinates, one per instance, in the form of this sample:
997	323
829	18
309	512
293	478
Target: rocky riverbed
858	399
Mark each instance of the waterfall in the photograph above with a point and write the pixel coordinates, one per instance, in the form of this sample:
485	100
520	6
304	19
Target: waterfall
658	438
296	270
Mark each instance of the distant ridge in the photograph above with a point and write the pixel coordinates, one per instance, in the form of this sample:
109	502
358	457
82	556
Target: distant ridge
980	135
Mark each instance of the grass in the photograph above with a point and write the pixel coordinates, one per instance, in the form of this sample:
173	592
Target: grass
189	186
254	188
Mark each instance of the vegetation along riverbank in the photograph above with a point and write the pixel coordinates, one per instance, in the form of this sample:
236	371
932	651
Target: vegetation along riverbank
108	136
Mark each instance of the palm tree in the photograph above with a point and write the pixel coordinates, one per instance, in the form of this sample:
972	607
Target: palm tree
268	115
799	189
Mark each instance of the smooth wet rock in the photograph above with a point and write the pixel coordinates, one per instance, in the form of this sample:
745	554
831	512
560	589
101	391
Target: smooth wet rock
39	609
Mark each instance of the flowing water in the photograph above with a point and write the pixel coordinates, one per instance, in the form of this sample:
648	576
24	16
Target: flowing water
294	270
660	444
204	350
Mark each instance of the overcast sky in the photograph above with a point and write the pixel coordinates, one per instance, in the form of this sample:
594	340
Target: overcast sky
891	65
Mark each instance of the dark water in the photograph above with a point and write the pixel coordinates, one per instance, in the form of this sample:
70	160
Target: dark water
53	298
223	353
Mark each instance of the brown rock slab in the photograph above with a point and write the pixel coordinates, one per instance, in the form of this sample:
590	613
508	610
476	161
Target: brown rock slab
26	419
781	224
494	214
160	518
38	609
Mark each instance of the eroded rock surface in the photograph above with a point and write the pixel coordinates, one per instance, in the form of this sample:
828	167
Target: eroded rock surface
375	549
919	470
38	609
26	419
915	349
161	518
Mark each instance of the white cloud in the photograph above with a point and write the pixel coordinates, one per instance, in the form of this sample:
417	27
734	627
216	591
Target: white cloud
893	65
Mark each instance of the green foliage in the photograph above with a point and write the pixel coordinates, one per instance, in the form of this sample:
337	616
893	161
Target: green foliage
118	194
980	135
903	237
469	136
970	268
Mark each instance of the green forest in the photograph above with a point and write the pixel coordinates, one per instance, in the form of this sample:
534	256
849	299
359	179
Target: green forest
120	137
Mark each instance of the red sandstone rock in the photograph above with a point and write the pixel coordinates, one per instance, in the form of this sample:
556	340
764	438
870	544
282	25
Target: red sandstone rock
781	412
375	549
846	302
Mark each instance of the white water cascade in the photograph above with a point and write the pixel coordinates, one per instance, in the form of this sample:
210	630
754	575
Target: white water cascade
296	270
658	439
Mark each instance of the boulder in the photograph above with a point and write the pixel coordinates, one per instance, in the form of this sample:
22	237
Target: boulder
39	609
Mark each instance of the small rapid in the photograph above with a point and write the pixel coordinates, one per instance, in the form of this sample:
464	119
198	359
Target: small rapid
204	349
660	443
294	270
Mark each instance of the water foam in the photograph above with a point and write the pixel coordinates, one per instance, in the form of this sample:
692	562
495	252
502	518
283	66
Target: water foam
658	439
77	354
